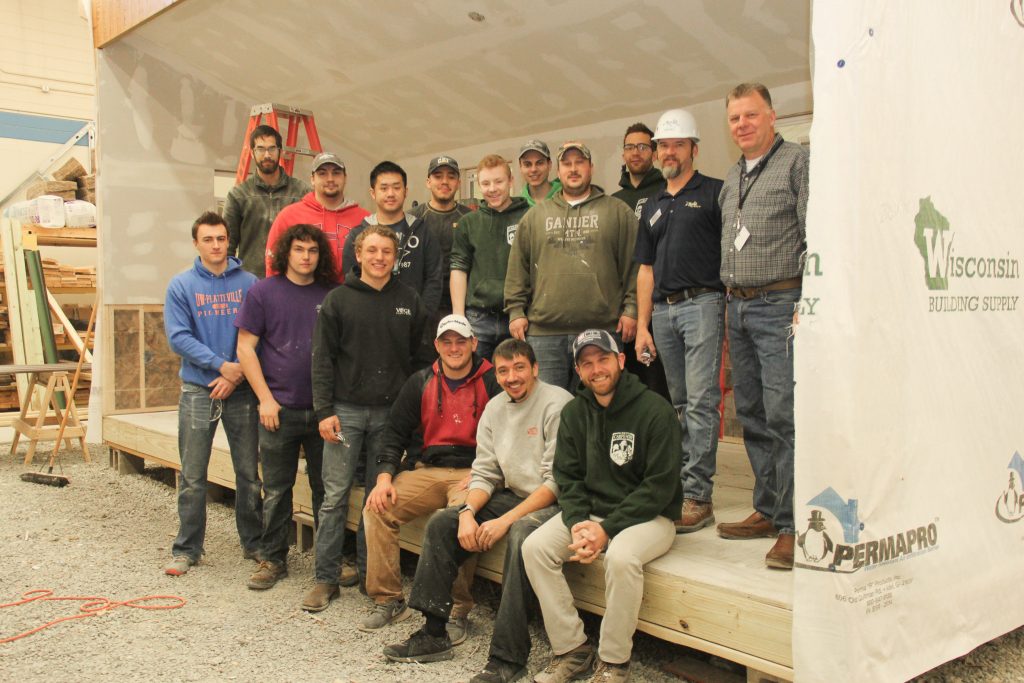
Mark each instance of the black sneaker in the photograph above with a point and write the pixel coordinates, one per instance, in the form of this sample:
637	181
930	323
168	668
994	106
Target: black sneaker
421	648
499	671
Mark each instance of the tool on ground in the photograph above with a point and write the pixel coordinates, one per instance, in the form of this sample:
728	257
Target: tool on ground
49	478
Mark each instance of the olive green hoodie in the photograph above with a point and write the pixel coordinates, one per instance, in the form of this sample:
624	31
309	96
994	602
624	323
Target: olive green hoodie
481	246
571	267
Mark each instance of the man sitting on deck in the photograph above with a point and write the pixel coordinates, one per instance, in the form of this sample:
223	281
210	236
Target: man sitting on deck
199	317
617	469
443	402
512	492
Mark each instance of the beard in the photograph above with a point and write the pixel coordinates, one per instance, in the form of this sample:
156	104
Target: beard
671	172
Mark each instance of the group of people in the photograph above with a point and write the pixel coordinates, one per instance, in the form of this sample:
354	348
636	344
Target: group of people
475	364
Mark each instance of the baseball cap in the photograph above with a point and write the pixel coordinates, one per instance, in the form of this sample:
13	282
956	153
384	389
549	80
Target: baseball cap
599	338
325	158
454	323
572	144
534	146
438	162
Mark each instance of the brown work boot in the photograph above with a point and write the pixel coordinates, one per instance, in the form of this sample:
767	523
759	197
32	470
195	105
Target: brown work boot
267	574
754	526
574	664
696	515
781	554
348	575
319	597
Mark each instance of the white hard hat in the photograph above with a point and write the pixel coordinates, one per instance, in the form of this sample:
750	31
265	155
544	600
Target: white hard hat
677	123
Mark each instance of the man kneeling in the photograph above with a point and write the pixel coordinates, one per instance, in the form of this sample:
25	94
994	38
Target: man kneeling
617	469
511	493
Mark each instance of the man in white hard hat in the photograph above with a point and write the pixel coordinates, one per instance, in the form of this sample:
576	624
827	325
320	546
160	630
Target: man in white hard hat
679	293
764	215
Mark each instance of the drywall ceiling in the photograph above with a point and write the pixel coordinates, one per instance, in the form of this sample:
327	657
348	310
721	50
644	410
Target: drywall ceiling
400	78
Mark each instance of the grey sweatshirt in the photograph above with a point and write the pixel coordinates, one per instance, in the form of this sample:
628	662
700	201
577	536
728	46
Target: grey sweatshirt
515	442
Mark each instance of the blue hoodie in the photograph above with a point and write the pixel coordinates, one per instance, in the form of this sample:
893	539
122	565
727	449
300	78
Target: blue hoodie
199	318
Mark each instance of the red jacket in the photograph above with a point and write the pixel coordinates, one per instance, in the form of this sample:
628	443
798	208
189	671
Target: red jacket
447	420
335	225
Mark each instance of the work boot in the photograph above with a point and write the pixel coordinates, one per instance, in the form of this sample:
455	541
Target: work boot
568	667
696	515
781	554
267	574
499	671
421	648
457	629
384	614
754	526
610	673
319	597
348	575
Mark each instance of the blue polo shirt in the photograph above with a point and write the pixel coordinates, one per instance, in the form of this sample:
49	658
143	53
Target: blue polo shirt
681	237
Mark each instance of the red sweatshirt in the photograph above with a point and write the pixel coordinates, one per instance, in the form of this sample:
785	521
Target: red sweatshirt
335	225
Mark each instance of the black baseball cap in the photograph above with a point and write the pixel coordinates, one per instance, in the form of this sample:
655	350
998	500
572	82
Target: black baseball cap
441	161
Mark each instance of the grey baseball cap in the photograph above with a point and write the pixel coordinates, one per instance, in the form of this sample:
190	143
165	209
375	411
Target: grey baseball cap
325	158
599	338
441	161
534	146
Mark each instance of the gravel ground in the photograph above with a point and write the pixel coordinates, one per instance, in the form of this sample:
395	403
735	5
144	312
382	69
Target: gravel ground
78	541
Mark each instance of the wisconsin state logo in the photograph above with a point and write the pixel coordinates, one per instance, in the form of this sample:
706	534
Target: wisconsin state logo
621	450
510	233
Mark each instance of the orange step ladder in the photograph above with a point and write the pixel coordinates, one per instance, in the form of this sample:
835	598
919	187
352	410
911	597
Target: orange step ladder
275	113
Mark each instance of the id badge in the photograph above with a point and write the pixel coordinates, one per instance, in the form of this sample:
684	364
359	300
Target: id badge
741	238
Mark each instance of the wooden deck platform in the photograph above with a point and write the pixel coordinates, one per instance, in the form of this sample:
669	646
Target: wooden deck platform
707	593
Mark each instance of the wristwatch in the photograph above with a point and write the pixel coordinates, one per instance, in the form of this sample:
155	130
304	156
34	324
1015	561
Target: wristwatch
466	506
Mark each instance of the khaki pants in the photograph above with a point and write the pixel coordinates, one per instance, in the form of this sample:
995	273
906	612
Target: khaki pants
420	492
547	549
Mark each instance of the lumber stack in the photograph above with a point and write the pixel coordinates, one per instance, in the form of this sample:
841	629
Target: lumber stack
57	274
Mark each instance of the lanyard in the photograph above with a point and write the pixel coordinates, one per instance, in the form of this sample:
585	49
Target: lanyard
760	169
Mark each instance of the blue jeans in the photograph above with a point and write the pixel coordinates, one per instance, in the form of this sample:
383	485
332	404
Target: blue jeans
554	360
196	427
358	424
279	458
688	335
442	557
761	348
490	328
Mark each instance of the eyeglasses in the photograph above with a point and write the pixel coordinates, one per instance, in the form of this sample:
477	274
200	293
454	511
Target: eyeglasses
264	151
639	147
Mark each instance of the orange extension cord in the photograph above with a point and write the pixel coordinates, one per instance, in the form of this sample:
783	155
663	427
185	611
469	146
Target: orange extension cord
92	607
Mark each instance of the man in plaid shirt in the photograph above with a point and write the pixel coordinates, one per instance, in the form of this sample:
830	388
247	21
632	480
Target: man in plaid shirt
764	211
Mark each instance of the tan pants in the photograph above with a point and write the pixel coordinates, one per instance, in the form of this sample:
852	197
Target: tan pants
420	492
547	549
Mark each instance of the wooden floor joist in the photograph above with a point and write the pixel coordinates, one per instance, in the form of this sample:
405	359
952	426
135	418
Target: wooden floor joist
706	593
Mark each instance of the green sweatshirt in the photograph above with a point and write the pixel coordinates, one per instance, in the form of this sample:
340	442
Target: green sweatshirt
622	462
481	246
571	267
250	210
556	187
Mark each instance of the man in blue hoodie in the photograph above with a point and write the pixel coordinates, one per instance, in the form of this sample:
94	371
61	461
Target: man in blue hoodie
199	318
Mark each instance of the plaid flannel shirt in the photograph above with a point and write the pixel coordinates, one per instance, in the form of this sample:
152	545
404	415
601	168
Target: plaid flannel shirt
775	214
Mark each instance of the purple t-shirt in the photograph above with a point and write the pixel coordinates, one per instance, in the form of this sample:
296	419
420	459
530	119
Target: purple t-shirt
282	314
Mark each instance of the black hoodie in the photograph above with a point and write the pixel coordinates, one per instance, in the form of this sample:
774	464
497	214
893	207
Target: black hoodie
635	197
363	344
